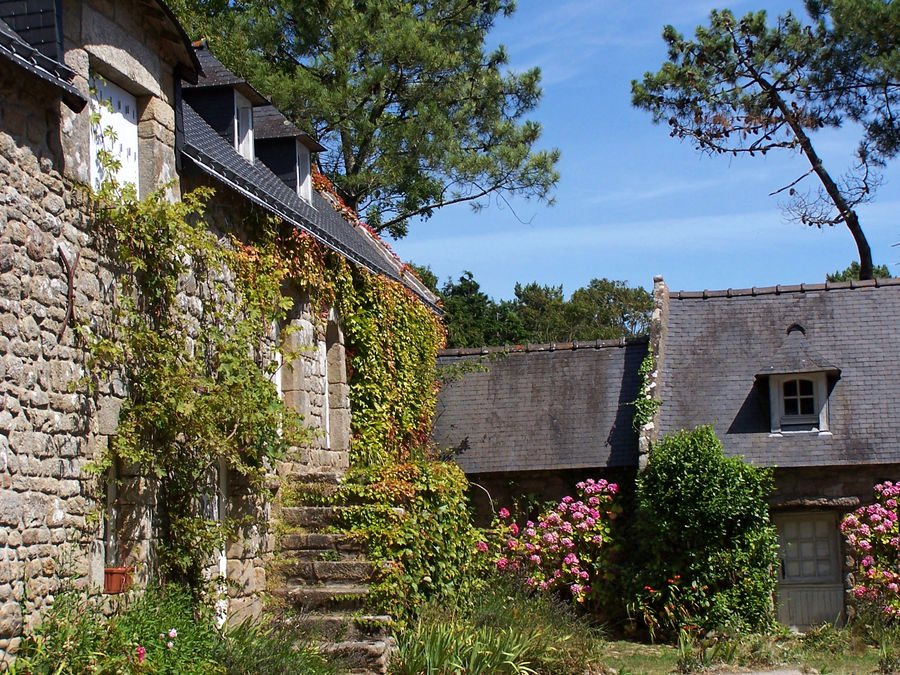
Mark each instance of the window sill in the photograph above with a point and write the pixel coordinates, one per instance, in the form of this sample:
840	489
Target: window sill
788	434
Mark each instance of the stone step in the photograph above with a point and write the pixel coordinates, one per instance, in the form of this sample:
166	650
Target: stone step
320	477
332	597
318	554
343	627
320	542
311	571
369	657
320	516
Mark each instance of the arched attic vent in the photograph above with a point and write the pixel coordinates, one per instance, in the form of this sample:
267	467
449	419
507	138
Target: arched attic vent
795	327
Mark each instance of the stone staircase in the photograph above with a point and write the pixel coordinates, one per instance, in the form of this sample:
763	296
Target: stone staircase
326	580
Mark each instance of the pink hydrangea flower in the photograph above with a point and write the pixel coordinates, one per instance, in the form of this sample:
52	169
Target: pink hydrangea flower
503	513
481	547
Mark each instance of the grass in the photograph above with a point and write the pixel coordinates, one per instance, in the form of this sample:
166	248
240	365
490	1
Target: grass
825	650
503	630
535	635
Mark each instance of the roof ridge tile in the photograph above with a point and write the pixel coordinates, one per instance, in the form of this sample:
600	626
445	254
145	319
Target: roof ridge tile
783	289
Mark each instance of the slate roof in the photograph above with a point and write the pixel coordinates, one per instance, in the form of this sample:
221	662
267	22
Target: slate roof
215	74
718	342
268	122
542	407
796	355
36	22
16	50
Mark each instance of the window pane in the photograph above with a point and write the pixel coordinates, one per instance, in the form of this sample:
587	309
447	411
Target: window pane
807	406
806	387
790	406
790	388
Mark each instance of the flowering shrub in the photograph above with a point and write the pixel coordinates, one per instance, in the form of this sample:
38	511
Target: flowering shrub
566	548
874	535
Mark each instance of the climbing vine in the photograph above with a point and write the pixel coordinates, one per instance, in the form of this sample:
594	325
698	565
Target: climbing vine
190	341
392	340
186	340
645	405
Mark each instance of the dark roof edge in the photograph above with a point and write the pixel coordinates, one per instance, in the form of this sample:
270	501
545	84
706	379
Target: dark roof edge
223	174
24	55
548	347
783	289
573	466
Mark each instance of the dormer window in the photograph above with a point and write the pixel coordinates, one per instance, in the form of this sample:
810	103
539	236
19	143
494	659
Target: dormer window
243	126
304	178
798	384
799	402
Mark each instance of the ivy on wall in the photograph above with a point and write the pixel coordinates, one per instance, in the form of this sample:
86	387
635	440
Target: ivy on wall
392	339
189	318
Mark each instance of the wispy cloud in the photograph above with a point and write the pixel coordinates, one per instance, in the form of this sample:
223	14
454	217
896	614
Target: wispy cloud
659	190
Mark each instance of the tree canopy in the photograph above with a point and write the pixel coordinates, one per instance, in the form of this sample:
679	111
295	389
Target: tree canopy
860	68
538	314
743	86
851	273
415	112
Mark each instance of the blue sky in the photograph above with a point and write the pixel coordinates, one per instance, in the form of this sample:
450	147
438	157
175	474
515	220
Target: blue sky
632	202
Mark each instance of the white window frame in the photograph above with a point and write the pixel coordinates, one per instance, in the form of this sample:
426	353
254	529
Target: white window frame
781	422
116	131
243	138
304	173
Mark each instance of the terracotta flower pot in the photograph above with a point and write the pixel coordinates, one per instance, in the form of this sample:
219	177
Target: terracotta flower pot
116	579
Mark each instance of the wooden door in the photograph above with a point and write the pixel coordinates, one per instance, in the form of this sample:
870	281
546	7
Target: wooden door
809	591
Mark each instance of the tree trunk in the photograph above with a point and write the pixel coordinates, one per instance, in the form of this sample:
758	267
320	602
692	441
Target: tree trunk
847	214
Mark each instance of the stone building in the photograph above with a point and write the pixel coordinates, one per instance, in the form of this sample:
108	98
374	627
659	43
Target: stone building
804	379
181	120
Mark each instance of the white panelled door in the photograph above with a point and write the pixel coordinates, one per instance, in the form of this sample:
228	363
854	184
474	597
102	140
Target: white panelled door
116	131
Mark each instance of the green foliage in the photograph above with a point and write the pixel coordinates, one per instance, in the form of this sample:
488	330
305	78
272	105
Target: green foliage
858	68
852	273
474	320
504	630
645	405
602	310
415	112
706	552
393	339
198	392
267	648
429	547
745	87
160	630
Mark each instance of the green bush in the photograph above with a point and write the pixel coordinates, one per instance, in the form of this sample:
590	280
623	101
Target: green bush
501	630
161	630
705	548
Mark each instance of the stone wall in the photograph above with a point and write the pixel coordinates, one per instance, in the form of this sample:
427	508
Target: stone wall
47	430
829	487
54	518
489	492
